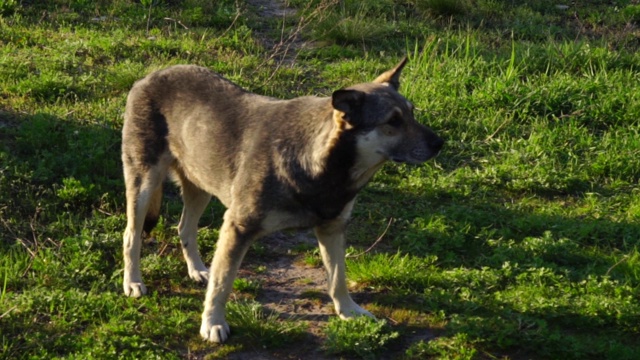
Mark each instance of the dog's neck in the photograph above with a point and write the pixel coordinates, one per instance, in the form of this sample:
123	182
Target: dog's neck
338	152
328	150
330	134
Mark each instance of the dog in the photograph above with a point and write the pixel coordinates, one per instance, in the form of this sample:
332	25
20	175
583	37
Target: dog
274	164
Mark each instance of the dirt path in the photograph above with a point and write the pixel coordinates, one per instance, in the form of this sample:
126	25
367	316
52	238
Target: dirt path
271	8
292	290
284	48
286	283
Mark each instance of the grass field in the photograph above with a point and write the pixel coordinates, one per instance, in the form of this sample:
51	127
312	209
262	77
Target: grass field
520	241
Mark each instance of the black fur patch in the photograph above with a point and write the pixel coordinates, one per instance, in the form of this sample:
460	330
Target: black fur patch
327	195
137	182
150	221
153	137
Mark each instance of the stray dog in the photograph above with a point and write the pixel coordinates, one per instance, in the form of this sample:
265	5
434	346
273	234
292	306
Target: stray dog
275	164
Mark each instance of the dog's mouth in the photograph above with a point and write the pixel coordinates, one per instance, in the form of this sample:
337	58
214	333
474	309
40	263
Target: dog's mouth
409	161
415	157
399	160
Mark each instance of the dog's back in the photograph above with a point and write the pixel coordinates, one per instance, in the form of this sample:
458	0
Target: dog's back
196	124
187	119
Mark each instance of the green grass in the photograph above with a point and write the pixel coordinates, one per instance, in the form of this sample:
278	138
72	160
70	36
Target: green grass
521	240
361	337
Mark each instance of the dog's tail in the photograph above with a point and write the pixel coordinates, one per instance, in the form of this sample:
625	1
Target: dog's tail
151	219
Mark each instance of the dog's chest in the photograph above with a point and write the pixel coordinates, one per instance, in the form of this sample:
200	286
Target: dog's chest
307	212
325	205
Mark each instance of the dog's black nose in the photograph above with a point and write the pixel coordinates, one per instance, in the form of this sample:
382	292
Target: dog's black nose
437	144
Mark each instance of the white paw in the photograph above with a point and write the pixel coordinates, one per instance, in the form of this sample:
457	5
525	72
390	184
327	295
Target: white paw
216	331
199	275
134	289
353	310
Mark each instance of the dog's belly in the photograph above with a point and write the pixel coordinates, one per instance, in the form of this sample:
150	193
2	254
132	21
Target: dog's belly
277	220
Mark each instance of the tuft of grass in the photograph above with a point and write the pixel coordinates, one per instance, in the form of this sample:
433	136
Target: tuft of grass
246	286
353	30
312	258
251	323
362	337
442	7
8	7
457	346
397	270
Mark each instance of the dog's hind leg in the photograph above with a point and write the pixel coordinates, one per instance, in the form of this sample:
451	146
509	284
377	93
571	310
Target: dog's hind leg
143	192
233	243
332	248
195	201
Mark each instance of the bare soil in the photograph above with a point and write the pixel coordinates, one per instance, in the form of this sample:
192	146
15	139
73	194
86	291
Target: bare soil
293	290
271	8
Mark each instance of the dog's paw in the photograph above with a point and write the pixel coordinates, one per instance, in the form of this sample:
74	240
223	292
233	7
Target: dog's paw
199	275
352	311
215	331
134	289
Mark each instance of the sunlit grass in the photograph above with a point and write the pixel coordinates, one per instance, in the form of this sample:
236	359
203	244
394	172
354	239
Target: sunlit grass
520	240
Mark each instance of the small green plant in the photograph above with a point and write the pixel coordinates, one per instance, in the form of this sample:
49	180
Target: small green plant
362	337
456	347
8	7
632	12
246	285
259	249
260	269
73	191
312	258
250	321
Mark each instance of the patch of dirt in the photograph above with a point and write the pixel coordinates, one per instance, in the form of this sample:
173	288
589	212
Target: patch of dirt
285	48
292	290
286	285
271	8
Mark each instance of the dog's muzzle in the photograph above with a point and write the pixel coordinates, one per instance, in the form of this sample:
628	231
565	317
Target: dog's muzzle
420	154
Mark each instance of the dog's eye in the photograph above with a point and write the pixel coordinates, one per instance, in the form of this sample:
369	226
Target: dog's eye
395	121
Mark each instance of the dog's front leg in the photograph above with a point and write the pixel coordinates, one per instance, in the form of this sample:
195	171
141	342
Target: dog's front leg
332	248
233	242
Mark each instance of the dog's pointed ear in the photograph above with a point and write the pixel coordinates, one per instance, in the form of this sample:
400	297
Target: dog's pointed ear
392	77
348	102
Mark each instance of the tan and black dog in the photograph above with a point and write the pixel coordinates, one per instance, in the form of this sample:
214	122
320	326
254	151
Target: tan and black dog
275	164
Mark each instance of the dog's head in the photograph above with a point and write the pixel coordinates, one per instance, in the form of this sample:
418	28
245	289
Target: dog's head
384	122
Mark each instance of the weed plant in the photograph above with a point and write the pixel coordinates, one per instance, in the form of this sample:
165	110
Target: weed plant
521	240
362	337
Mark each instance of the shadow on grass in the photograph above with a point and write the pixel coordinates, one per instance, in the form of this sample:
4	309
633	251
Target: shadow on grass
52	166
519	282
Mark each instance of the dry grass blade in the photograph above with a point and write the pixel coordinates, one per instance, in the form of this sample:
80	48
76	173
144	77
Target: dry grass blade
375	243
